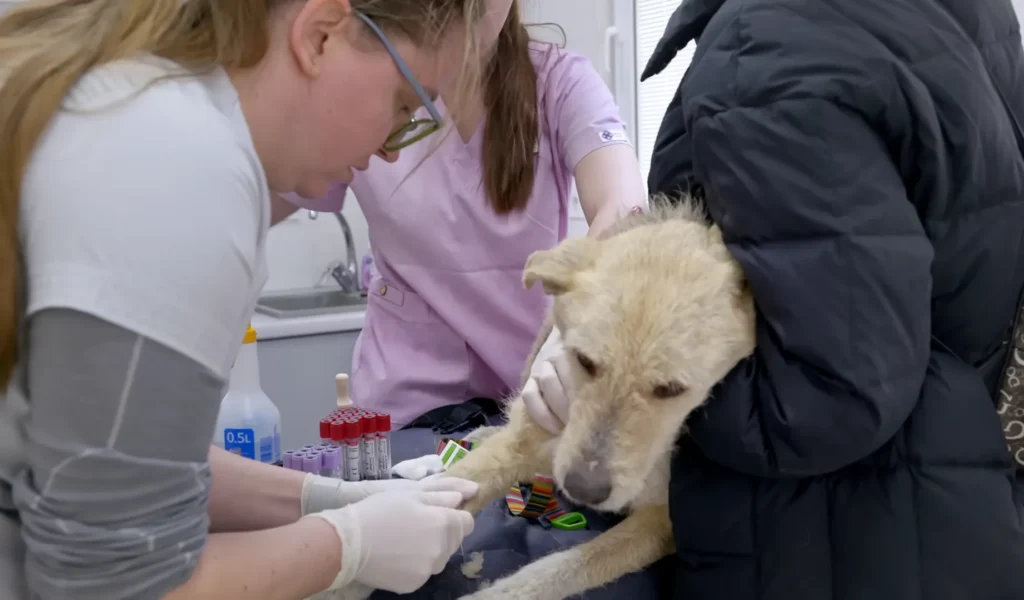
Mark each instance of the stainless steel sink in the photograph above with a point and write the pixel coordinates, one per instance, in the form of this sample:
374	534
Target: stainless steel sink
309	302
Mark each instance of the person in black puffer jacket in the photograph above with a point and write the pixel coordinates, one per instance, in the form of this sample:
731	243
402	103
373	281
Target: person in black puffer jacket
864	162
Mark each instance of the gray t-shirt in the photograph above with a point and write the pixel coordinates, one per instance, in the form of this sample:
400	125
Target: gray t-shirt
143	218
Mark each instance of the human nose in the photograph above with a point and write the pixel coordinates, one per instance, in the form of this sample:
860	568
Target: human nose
388	156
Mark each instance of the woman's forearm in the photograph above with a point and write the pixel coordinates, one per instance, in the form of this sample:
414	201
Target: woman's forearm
605	217
609	184
248	495
284	563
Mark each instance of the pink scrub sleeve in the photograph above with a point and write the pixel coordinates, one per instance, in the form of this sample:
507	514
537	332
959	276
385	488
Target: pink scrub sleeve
332	201
584	114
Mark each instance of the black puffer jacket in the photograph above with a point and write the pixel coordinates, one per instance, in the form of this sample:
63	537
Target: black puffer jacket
865	173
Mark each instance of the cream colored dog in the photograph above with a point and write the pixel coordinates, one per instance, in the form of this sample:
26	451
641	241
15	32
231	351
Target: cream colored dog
653	314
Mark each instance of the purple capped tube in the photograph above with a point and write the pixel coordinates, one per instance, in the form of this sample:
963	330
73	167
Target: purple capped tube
312	462
331	466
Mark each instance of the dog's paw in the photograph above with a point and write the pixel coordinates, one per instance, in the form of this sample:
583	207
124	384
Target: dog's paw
496	591
520	584
550	578
475	504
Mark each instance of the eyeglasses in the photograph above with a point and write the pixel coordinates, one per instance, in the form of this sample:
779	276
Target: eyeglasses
416	129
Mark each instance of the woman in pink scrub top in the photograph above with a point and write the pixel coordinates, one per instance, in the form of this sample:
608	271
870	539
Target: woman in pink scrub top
453	218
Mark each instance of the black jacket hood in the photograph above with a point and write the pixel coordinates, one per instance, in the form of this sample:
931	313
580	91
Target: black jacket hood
686	25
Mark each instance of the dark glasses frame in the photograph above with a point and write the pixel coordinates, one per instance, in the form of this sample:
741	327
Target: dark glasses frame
396	140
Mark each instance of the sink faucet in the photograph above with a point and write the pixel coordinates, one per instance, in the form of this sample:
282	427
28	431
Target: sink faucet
345	273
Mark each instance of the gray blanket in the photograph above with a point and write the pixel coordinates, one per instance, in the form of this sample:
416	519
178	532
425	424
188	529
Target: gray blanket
507	543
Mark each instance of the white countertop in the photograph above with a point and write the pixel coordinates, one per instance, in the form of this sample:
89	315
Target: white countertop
269	328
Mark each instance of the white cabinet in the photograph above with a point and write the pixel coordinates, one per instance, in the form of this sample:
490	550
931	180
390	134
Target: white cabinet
298	375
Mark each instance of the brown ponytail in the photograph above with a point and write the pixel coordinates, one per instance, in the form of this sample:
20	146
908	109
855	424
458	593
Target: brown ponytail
47	45
511	131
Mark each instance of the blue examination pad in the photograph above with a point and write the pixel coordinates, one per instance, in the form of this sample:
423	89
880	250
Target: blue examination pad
508	543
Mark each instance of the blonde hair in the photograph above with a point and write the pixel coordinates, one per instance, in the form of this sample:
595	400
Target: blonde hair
47	45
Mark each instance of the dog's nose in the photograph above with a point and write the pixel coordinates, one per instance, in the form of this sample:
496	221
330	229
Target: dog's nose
589	482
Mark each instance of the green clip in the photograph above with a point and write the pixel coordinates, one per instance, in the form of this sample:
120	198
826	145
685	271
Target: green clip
452	453
570	522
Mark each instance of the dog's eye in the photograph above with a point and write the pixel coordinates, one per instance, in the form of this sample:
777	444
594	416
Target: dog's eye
587	364
668	390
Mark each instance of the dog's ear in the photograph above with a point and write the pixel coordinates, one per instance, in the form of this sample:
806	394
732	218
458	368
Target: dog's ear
556	268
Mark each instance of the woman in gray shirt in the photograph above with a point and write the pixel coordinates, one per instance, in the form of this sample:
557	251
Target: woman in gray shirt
142	143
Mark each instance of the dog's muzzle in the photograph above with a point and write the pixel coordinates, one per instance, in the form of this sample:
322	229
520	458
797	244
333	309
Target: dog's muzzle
588	482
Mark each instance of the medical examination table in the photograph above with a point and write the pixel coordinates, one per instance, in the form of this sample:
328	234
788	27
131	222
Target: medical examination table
507	543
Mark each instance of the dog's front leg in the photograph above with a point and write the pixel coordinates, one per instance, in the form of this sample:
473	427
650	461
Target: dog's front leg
512	454
634	544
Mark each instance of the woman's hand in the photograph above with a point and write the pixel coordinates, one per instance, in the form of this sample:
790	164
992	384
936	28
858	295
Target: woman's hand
397	540
325	493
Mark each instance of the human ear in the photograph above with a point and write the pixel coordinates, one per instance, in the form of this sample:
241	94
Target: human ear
313	25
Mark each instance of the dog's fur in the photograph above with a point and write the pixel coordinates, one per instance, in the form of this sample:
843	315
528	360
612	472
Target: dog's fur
659	312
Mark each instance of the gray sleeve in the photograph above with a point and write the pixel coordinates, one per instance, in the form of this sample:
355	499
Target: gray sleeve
114	502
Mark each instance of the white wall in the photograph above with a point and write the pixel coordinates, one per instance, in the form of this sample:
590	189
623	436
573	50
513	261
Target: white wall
299	250
584	23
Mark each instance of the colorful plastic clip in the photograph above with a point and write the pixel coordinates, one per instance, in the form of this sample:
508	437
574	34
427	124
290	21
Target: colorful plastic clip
572	521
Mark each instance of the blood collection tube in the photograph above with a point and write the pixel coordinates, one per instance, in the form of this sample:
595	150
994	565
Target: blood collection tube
338	434
311	463
287	458
353	437
371	467
384	446
325	431
331	466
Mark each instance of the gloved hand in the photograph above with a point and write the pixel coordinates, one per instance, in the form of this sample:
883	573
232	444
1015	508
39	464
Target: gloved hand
324	493
396	540
547	392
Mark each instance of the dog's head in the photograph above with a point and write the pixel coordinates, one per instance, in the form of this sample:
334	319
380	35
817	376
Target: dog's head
652	316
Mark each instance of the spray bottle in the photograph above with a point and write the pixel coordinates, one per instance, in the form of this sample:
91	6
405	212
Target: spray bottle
249	424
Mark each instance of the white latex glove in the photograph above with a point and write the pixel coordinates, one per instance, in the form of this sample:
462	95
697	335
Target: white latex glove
324	493
548	390
395	541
